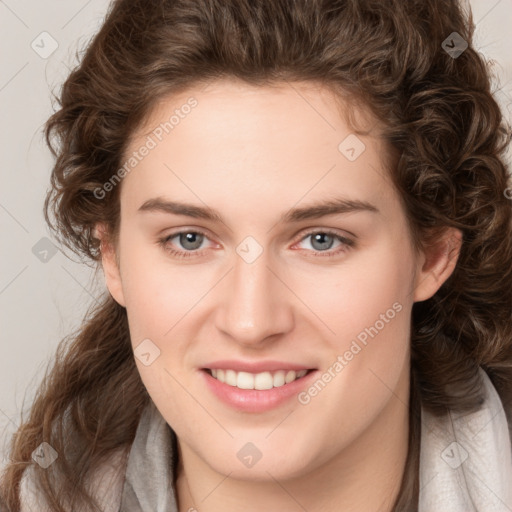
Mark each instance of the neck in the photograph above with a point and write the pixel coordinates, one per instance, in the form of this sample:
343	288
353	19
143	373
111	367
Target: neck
367	475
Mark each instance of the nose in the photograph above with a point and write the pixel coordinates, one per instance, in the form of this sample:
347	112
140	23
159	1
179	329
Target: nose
256	306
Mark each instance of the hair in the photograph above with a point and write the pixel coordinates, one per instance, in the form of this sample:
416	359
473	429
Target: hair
446	139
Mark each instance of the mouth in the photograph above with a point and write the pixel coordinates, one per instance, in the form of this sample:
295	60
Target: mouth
258	381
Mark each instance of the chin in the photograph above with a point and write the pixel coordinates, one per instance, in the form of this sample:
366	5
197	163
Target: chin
247	461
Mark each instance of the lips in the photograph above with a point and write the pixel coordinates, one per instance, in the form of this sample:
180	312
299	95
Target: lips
256	386
255	366
247	397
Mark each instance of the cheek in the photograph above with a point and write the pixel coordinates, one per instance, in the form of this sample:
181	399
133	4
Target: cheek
368	313
157	293
367	356
370	293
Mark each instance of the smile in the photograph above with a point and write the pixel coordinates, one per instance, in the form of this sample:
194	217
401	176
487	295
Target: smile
256	391
259	381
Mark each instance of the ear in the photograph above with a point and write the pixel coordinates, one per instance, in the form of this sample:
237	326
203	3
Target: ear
110	264
437	263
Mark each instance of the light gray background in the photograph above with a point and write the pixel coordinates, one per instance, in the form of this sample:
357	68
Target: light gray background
40	302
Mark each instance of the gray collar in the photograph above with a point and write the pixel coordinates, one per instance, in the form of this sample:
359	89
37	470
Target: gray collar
466	459
148	485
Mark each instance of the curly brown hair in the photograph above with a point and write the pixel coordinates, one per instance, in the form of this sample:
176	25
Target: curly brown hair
446	139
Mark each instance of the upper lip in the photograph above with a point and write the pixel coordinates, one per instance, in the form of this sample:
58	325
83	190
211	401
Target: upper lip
255	366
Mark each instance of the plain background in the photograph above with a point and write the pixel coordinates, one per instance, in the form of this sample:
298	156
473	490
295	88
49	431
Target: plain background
43	296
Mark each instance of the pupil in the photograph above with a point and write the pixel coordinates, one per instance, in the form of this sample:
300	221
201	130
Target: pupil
192	239
320	237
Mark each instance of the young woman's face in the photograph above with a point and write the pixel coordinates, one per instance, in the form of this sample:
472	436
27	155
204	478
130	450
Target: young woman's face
231	260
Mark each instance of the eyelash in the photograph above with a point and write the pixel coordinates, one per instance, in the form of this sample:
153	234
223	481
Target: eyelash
346	243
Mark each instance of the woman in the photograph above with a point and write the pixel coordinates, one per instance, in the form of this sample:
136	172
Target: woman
300	210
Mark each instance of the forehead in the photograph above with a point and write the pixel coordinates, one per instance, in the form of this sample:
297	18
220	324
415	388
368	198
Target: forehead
253	142
249	110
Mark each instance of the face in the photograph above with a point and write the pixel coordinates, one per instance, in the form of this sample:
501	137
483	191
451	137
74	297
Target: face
260	239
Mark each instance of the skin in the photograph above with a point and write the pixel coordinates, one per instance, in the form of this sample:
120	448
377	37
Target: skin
252	154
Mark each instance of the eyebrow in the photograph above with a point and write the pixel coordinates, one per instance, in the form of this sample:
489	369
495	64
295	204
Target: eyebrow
314	211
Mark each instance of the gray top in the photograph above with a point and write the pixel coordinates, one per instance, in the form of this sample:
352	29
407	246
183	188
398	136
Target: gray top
148	486
465	465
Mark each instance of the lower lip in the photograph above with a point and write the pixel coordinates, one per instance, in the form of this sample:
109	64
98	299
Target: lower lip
255	400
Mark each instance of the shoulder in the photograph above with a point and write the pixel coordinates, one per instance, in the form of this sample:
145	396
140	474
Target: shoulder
466	457
105	484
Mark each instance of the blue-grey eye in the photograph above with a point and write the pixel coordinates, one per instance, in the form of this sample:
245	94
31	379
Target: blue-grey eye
324	241
190	240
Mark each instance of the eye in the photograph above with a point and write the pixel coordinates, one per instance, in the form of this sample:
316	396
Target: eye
190	240
323	240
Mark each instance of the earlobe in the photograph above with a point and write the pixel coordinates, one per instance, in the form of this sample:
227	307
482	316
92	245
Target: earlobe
438	262
110	265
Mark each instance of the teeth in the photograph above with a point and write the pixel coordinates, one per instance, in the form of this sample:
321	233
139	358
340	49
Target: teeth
245	380
263	381
230	377
279	379
290	376
259	381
